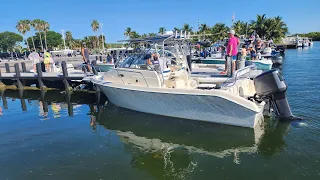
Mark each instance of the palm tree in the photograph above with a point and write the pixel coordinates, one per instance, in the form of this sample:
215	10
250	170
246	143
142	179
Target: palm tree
187	27
259	25
127	32
30	24
23	27
134	34
95	27
175	29
203	28
144	35
162	30
69	38
219	29
46	27
38	25
152	34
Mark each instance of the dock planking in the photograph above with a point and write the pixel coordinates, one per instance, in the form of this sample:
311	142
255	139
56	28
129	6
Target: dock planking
21	78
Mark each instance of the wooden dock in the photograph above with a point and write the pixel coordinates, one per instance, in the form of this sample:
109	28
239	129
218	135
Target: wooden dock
21	78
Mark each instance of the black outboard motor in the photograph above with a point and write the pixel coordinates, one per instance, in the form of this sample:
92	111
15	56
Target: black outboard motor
270	86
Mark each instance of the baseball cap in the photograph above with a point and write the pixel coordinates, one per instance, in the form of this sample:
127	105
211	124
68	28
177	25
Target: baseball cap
231	31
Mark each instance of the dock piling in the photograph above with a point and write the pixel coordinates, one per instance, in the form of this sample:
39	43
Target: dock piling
39	72
70	106
65	75
4	100
7	67
1	83
18	76
23	66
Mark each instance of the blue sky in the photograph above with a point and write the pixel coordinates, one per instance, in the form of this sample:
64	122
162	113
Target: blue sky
146	16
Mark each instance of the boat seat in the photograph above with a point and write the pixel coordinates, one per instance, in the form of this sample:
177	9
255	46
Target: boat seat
206	86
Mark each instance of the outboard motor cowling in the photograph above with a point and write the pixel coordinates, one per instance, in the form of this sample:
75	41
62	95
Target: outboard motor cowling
271	86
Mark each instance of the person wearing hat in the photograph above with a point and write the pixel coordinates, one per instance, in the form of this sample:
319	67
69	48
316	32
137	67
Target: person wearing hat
232	50
85	55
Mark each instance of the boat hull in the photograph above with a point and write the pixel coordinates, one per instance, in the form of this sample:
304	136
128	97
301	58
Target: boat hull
187	106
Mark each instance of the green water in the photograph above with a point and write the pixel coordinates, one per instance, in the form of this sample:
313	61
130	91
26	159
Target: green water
71	137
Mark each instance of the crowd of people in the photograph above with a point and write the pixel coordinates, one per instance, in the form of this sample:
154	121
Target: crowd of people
46	61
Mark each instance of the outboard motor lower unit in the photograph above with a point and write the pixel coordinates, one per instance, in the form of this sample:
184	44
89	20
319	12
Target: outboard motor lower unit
271	86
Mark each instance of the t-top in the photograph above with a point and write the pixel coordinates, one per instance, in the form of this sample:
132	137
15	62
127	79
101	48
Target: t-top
234	42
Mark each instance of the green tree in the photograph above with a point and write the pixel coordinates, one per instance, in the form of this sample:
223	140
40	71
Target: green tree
8	40
37	24
175	29
95	27
46	27
240	27
162	30
23	26
134	34
269	28
187	27
219	31
203	28
127	32
152	34
69	39
54	39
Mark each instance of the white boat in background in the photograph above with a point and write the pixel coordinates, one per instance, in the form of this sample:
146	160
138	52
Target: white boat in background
63	52
310	42
169	90
299	43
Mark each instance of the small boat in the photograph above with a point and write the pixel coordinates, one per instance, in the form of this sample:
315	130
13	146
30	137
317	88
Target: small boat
170	90
310	42
299	43
104	66
262	64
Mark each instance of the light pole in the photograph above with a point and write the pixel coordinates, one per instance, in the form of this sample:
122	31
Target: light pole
64	41
101	24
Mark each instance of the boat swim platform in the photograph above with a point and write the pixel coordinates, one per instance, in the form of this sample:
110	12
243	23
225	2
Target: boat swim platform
57	80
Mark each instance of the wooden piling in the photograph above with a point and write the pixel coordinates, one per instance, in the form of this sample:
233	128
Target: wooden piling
1	83
4	100
39	72
70	106
23	66
7	67
65	76
18	76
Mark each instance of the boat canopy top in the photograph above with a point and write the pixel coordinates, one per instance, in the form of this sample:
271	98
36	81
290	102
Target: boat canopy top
158	38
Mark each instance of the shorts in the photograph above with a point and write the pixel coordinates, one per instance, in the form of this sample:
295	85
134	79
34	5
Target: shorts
36	61
234	58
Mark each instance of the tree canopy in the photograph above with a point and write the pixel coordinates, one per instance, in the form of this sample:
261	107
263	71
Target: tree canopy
315	36
54	39
8	40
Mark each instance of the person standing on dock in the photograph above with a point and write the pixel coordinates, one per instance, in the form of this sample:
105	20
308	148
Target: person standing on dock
85	56
35	58
47	60
232	50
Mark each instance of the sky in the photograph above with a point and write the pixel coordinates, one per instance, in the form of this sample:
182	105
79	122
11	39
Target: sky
146	16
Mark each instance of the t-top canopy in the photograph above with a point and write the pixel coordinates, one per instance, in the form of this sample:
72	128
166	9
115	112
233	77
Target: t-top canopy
148	39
